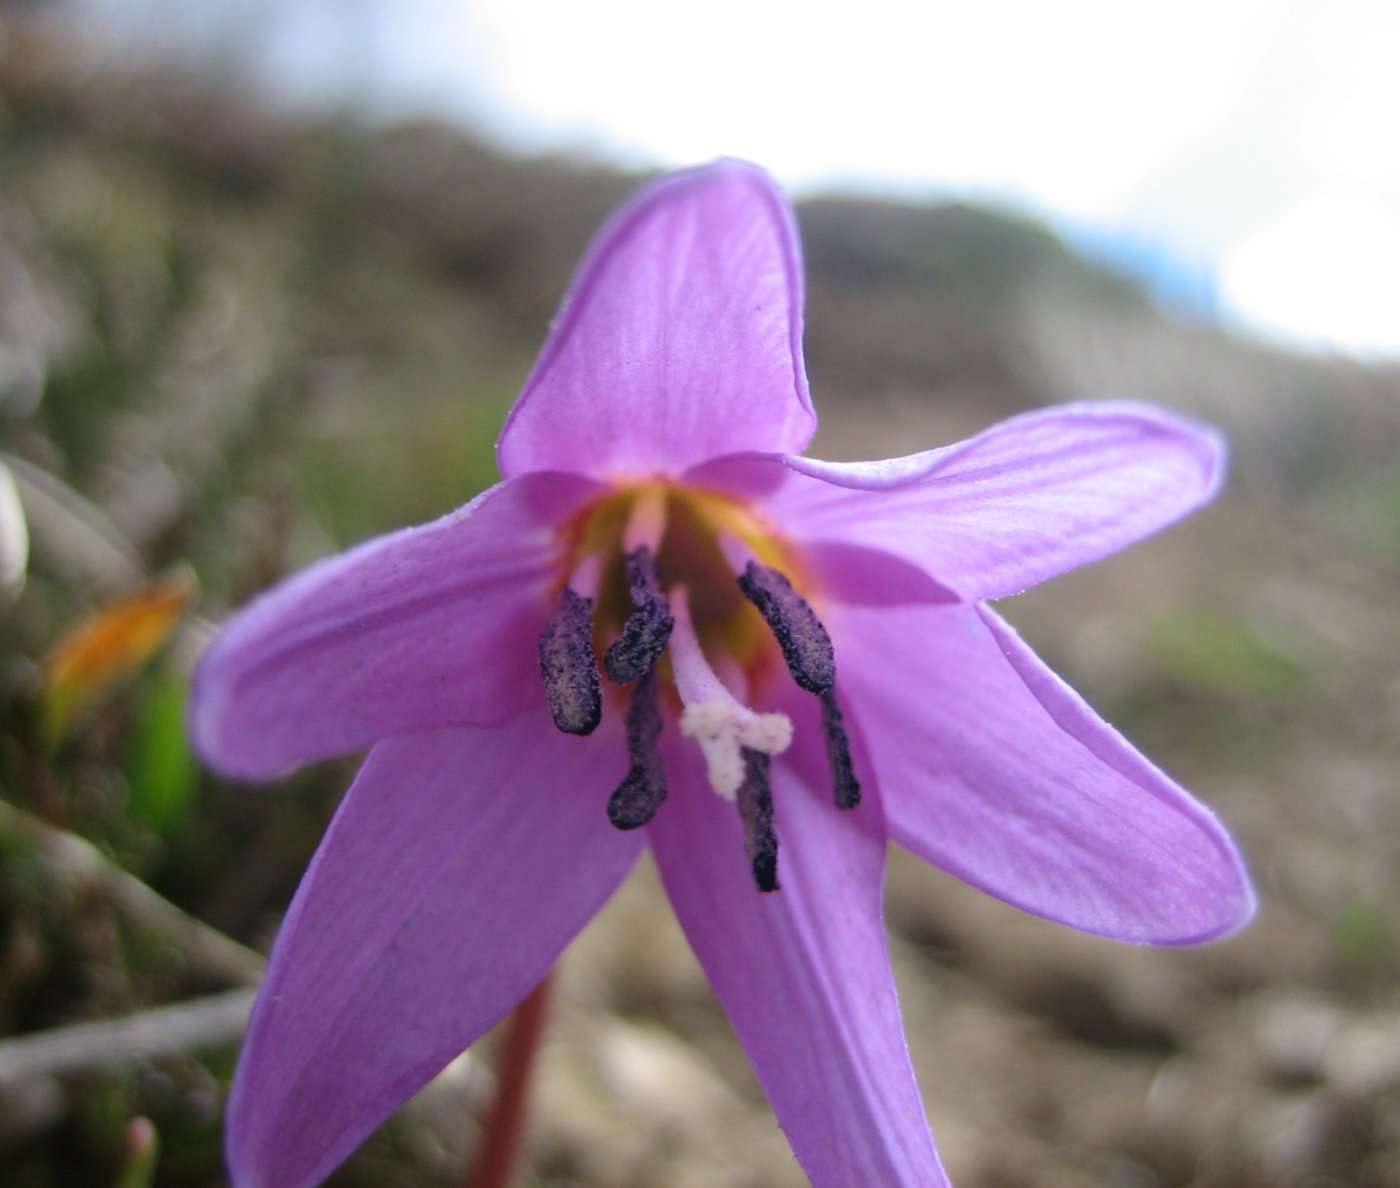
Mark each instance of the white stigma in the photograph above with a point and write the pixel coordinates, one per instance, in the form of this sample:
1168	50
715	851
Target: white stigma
713	717
723	729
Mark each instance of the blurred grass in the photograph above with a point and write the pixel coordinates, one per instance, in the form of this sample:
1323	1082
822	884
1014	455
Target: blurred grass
161	769
1228	657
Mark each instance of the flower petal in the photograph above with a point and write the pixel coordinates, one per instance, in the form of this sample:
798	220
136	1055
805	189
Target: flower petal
1028	499
681	337
431	626
803	972
850	572
994	769
423	920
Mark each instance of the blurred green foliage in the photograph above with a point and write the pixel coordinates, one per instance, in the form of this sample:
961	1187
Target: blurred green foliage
1365	936
1225	657
142	1154
161	769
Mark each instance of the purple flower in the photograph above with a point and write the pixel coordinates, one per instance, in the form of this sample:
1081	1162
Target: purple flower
801	666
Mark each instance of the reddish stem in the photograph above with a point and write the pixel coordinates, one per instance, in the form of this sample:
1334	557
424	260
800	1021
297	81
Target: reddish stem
498	1154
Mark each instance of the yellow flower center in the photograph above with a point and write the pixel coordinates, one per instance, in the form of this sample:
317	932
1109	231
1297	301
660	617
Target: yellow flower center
690	555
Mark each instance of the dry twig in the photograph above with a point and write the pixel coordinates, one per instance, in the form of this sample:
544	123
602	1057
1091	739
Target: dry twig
76	865
108	1044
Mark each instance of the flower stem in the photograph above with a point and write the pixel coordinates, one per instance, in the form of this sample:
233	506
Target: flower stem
499	1151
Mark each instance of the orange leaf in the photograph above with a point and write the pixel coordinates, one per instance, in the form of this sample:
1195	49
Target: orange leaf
109	644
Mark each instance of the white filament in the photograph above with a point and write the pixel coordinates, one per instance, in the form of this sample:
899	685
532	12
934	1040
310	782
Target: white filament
720	724
587	575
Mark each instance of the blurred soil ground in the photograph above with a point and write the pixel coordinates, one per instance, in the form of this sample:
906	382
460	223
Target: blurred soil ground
238	341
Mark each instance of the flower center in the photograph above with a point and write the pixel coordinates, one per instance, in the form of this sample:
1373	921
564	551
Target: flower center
687	597
691	524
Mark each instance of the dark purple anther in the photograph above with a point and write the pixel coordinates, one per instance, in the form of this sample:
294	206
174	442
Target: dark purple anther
811	661
755	799
568	665
838	753
635	652
806	645
640	794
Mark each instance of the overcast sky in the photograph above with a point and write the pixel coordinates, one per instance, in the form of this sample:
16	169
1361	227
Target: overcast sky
1255	141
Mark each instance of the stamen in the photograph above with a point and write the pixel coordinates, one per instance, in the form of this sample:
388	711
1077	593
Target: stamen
810	658
712	717
838	752
568	666
635	652
756	812
640	794
806	645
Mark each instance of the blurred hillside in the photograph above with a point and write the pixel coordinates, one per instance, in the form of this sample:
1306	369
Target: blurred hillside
235	341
